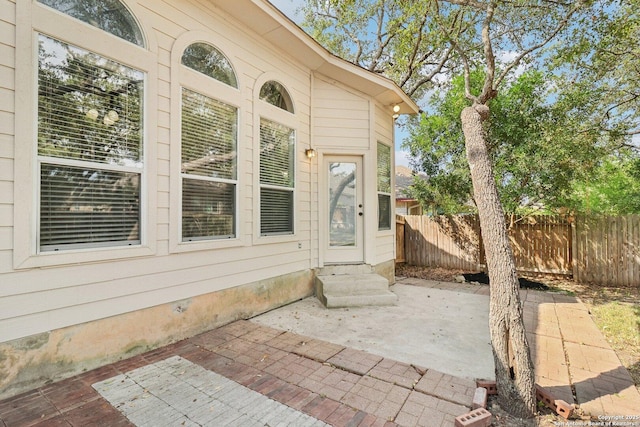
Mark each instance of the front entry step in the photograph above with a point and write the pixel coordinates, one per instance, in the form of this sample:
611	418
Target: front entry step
340	288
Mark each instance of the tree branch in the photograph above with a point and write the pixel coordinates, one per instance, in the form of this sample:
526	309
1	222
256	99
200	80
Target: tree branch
561	25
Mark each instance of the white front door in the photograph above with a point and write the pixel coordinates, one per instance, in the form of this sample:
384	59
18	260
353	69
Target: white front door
344	243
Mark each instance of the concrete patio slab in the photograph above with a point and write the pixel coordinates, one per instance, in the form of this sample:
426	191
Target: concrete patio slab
440	329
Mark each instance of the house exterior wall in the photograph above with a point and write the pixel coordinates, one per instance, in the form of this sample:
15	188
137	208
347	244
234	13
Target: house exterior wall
348	122
64	312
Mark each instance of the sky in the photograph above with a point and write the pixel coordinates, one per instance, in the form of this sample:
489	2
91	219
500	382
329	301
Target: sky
289	8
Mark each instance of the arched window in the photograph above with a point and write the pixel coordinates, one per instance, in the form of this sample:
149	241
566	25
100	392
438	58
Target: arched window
209	147
277	161
275	94
108	15
209	61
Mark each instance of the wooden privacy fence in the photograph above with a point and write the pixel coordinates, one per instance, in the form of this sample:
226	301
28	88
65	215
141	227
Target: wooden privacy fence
604	250
607	250
443	241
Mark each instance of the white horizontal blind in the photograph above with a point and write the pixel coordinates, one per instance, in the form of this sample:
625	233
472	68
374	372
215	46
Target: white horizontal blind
209	167
89	148
277	177
384	186
276	211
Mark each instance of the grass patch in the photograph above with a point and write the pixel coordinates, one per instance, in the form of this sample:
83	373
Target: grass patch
620	324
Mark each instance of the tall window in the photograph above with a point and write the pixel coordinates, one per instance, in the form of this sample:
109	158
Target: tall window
209	169
384	186
277	157
209	151
89	148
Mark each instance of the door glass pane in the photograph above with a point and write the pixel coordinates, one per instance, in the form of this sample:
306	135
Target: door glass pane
342	204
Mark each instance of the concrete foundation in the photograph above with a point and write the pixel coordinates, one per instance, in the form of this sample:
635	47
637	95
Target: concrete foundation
33	361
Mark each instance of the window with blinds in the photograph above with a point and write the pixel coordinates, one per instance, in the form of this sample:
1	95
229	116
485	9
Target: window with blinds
90	151
208	167
277	157
384	186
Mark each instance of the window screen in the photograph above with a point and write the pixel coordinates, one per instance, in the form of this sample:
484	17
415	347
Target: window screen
277	144
209	167
384	186
89	148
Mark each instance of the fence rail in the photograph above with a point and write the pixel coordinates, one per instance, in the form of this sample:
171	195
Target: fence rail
602	250
607	250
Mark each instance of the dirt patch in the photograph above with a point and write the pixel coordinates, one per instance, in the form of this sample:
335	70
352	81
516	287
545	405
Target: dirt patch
483	279
437	274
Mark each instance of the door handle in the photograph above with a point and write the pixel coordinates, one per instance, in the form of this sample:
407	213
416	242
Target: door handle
360	213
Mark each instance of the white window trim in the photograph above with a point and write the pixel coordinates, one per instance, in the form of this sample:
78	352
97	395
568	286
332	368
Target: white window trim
188	78
392	200
33	19
264	110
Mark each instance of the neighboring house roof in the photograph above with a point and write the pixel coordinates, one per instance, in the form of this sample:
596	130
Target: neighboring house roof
275	27
404	178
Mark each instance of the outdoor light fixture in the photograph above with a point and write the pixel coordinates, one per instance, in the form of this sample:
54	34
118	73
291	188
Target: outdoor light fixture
396	110
310	153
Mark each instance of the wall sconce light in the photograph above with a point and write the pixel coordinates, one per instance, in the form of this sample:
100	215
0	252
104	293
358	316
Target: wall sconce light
310	153
396	111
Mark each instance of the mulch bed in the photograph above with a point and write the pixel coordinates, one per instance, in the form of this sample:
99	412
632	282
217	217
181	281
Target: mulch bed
483	279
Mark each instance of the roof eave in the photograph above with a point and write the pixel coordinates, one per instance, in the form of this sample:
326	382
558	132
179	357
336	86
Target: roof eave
275	27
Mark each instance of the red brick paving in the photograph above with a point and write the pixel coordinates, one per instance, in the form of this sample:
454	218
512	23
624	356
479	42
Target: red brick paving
340	386
447	387
356	361
317	349
398	373
377	397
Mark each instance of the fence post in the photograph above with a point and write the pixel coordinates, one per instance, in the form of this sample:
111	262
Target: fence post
574	250
400	240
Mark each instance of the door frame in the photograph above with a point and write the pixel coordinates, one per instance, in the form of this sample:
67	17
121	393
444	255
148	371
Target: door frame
337	255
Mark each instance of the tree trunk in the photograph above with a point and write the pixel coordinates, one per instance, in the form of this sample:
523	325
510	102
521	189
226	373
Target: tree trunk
514	369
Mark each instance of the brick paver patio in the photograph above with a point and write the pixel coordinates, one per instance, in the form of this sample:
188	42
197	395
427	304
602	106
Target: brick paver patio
322	381
307	381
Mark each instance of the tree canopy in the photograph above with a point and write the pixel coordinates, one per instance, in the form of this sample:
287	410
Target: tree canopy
538	152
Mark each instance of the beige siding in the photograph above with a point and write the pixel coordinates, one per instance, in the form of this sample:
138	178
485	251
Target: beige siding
341	118
385	239
383	125
37	300
7	109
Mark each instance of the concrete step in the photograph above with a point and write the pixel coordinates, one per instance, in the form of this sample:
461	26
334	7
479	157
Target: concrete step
331	270
354	290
